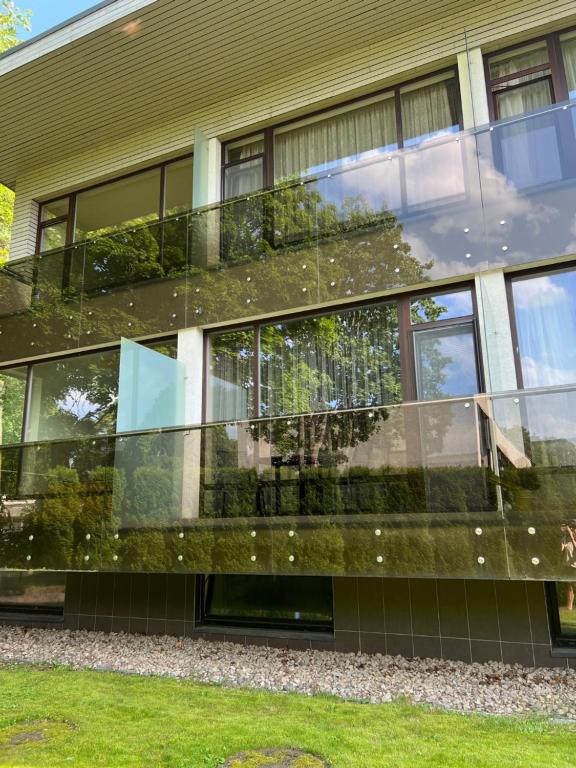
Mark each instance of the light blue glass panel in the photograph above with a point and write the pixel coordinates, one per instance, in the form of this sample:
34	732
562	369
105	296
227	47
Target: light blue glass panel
151	389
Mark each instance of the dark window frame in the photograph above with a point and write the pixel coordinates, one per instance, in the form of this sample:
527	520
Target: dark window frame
557	638
205	584
405	338
556	73
70	217
67	356
268	132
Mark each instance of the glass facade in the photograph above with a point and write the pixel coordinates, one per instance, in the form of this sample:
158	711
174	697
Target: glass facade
34	594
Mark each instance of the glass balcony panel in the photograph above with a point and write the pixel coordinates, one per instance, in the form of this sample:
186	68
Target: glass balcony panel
135	282
537	455
475	488
528	175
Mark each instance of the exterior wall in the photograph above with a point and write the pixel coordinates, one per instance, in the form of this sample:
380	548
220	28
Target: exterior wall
472	621
415	49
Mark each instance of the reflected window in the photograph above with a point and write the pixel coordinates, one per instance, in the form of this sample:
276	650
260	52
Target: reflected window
12	398
244	167
568	47
442	306
404	115
116	205
445	362
444	345
77	396
342	360
230	379
545	317
128	202
178	187
562	594
33	594
294	602
521	80
344	136
429	108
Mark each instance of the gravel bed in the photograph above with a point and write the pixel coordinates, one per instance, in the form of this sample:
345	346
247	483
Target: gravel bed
490	688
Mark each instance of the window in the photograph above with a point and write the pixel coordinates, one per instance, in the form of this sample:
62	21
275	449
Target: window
68	397
545	328
402	116
532	76
276	602
561	594
149	195
32	594
418	347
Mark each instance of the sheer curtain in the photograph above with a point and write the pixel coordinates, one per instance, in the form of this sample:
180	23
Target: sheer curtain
335	361
569	57
545	309
230	376
322	144
526	96
429	110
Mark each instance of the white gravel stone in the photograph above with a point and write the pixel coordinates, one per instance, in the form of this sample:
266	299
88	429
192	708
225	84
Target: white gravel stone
490	688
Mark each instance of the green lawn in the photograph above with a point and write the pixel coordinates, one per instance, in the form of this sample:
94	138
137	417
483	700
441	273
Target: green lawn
97	719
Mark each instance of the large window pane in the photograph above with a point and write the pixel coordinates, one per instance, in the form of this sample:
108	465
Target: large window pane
545	310
12	394
244	178
518	93
178	195
508	63
128	202
527	98
429	109
351	134
230	380
345	360
445	360
263	601
73	397
53	236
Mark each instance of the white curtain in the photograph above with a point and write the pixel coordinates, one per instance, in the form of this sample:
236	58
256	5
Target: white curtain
321	144
429	110
569	56
345	360
528	98
230	380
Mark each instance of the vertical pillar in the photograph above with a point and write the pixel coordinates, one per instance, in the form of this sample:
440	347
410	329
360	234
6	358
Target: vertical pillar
191	353
495	332
473	88
206	192
24	227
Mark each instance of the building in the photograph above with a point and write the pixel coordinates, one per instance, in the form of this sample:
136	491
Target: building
288	327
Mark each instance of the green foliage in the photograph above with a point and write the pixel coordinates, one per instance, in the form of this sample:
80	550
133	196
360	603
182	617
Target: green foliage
12	20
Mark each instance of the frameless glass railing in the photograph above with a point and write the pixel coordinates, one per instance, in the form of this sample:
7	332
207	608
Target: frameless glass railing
449	207
479	487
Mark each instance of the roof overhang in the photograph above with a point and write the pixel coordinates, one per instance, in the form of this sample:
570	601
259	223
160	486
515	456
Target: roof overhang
126	65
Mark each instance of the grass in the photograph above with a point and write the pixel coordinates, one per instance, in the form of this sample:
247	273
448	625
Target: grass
107	720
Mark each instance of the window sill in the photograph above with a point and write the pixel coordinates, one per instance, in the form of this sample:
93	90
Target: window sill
292	634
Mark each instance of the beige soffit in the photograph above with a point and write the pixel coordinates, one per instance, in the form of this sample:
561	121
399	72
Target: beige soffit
115	73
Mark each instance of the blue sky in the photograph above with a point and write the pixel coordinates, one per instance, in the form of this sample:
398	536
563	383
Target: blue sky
48	13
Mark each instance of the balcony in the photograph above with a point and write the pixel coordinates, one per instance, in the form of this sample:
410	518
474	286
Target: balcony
462	203
481	487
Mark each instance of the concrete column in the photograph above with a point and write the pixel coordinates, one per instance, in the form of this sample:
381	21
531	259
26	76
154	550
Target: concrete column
205	192
473	88
191	353
495	332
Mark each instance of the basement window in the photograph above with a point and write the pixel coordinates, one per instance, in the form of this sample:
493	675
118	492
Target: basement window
37	595
268	602
562	611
